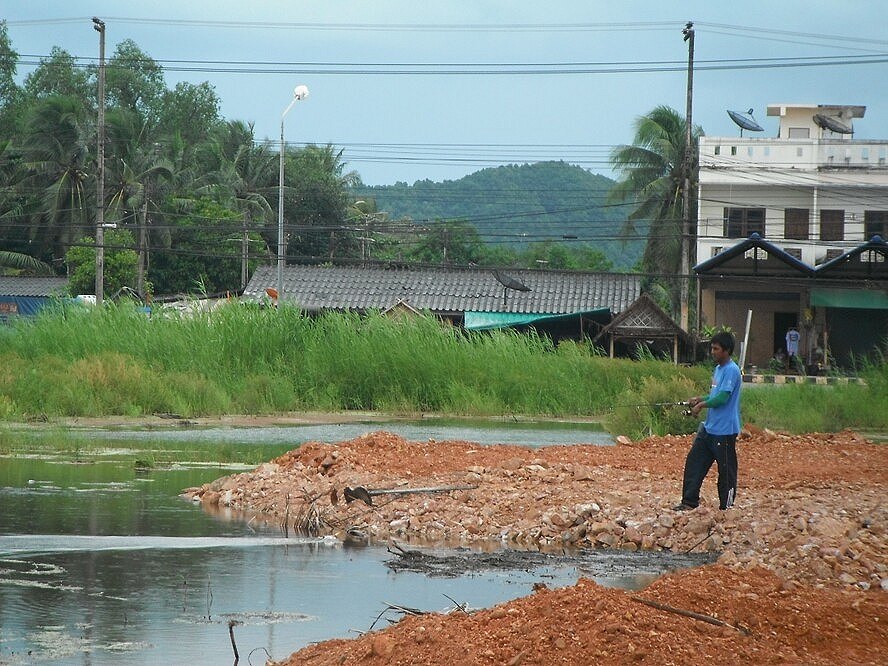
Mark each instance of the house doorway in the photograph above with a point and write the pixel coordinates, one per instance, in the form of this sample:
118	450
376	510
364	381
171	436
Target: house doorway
782	323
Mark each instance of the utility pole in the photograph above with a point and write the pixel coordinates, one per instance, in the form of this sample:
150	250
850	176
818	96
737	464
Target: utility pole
100	178
684	279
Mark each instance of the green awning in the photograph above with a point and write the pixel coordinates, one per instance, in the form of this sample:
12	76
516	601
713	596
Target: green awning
479	321
869	299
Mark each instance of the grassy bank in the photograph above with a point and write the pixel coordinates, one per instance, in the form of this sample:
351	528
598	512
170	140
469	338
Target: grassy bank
243	359
246	360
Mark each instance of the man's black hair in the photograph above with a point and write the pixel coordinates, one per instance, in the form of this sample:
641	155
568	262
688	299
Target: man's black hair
724	340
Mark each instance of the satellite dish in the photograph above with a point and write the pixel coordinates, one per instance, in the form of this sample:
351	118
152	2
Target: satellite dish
833	124
510	282
745	123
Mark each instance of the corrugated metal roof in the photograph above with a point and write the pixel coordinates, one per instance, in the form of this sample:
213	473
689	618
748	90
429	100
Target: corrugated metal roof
444	290
32	286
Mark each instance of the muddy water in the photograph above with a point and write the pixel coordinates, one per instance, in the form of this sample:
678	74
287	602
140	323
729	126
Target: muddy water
101	564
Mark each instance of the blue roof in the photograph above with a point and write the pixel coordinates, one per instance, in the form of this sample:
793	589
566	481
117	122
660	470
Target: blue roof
874	244
754	241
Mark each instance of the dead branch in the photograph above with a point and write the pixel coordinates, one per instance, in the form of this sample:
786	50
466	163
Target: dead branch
231	624
696	616
366	495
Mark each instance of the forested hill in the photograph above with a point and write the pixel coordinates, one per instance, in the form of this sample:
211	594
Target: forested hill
518	204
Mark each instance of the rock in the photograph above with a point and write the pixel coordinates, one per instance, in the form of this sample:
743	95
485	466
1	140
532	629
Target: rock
829	527
699	525
622	440
607	539
382	646
728	558
666	520
884	584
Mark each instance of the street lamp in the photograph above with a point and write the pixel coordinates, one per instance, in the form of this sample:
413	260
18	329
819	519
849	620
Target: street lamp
300	93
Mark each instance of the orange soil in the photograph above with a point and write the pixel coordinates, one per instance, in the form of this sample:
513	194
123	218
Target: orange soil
803	555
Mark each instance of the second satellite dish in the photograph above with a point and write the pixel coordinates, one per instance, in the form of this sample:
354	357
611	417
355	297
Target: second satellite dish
830	123
744	122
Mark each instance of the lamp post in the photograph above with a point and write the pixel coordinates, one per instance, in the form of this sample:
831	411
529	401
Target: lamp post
300	93
100	177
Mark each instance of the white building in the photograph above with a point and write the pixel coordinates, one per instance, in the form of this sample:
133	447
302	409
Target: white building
813	190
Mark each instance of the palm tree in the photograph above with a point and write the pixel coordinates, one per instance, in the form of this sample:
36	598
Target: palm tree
23	262
242	174
653	172
135	171
317	191
55	151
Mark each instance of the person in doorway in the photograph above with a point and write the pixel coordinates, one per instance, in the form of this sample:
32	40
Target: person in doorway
792	346
717	436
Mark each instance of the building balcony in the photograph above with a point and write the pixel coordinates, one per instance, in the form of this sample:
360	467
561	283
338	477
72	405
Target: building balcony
741	153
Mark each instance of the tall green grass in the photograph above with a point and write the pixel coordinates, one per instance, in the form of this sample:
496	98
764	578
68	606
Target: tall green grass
242	359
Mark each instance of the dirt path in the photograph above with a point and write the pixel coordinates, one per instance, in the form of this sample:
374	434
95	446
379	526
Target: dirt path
803	555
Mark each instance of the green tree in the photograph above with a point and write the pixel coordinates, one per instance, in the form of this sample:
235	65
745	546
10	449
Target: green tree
243	176
135	173
448	243
119	264
22	262
198	259
9	91
189	110
316	196
59	75
653	171
55	150
134	81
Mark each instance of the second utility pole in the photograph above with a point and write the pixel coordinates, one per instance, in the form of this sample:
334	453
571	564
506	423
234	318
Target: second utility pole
100	178
685	277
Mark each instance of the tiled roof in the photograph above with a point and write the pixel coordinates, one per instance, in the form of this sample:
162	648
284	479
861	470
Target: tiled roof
32	286
444	290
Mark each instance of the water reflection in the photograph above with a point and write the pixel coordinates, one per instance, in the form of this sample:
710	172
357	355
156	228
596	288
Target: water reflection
101	564
483	432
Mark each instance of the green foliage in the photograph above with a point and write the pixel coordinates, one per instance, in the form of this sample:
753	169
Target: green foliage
639	411
59	75
203	249
653	173
513	206
246	359
119	264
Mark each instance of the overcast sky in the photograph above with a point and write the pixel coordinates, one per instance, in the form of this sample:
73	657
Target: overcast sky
499	81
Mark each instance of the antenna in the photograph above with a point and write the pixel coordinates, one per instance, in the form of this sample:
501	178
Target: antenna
509	282
833	124
744	123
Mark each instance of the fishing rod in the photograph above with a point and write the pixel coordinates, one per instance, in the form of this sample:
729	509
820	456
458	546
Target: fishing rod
683	403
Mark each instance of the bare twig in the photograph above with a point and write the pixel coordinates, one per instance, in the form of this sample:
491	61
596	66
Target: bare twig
696	616
708	534
287	518
231	624
250	655
461	607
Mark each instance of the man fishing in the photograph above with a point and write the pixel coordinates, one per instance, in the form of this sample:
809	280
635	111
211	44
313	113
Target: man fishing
717	435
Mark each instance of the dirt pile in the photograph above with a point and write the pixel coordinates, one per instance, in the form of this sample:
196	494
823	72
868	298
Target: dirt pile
803	556
811	508
588	624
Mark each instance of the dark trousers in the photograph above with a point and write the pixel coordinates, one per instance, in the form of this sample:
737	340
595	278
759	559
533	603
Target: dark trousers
706	449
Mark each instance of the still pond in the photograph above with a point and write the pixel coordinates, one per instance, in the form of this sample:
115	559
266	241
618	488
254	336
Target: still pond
101	561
